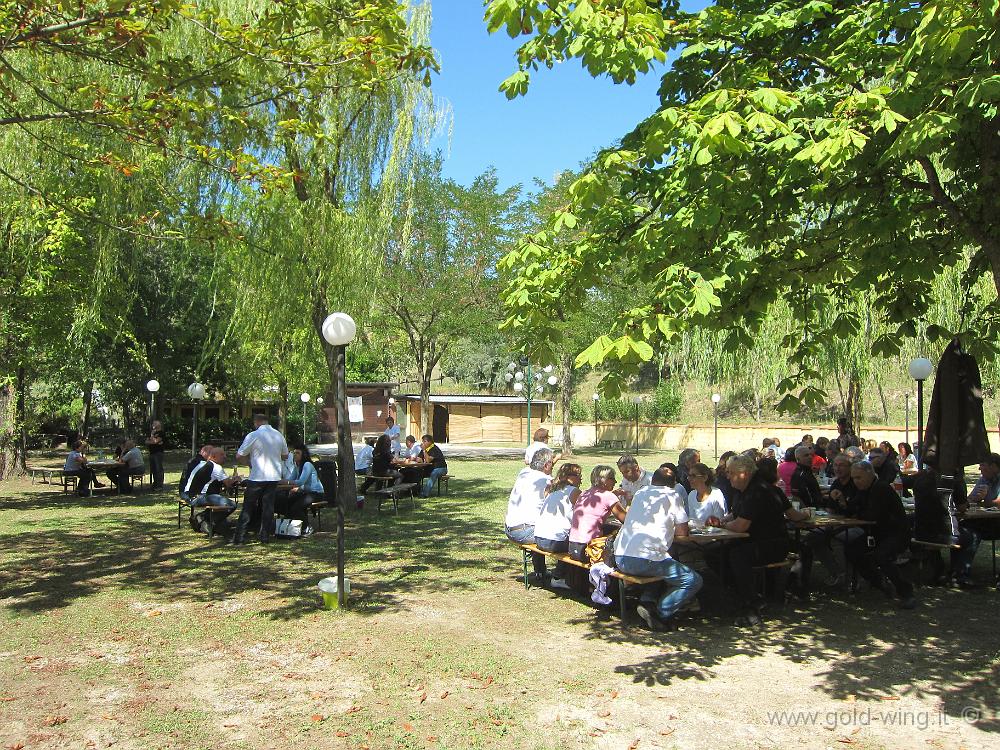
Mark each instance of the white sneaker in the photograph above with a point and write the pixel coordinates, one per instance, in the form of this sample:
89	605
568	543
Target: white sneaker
559	583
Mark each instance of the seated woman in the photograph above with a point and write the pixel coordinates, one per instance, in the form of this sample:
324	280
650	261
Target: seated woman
591	509
786	468
759	509
705	499
76	466
382	460
305	490
552	526
907	461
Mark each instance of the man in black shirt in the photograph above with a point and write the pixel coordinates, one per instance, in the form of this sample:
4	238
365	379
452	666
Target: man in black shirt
203	455
156	445
874	553
804	484
432	455
819	544
886	468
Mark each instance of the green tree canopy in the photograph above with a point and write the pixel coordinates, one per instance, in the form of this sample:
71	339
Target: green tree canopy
811	151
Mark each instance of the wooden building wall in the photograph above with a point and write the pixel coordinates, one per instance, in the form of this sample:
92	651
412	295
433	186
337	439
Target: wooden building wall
478	423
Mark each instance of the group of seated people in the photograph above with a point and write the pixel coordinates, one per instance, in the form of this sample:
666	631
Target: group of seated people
128	463
639	520
407	463
204	483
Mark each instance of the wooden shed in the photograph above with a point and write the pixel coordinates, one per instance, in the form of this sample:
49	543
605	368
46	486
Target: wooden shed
477	419
375	407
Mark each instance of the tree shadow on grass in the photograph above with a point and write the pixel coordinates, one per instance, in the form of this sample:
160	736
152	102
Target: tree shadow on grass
438	546
946	648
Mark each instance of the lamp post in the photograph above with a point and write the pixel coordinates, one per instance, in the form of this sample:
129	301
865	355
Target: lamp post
527	382
339	330
152	386
907	418
596	399
319	417
304	398
197	392
636	400
920	369
716	398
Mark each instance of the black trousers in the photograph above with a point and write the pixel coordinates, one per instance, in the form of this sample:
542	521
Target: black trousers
872	563
156	468
742	557
294	505
258	495
122	478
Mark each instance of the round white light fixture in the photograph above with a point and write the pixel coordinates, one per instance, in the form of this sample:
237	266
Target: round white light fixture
511	367
596	397
637	400
305	398
378	412
519	376
153	386
319	400
196	391
547	368
921	368
508	377
392	402
553	380
339	329
518	386
716	398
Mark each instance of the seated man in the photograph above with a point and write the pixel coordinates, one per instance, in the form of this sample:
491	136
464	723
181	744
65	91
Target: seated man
76	466
432	455
886	468
819	544
203	455
642	548
539	439
412	450
363	459
634	478
803	482
205	486
874	553
525	503
129	463
985	494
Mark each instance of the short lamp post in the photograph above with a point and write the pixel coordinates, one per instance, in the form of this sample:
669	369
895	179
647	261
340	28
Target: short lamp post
920	369
596	399
305	398
319	418
339	330
526	383
152	386
716	398
196	391
636	400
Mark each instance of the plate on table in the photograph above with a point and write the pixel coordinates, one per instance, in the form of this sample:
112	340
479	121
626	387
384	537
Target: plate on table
707	530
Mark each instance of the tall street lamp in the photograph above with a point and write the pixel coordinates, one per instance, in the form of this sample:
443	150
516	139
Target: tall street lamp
596	399
196	391
528	383
636	400
716	398
152	386
907	418
305	398
339	330
319	417
920	369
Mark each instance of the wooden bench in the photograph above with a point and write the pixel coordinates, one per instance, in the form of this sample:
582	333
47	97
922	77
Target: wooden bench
443	479
612	443
395	492
45	472
622	578
317	510
930	550
212	511
780	571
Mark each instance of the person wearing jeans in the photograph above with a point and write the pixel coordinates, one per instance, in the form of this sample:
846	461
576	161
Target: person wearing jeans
263	450
525	503
642	548
431	454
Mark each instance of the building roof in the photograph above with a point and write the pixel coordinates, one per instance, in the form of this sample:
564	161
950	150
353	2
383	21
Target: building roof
452	398
372	385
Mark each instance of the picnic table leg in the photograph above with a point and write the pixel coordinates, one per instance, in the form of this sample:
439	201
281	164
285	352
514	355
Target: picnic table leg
621	602
211	523
524	561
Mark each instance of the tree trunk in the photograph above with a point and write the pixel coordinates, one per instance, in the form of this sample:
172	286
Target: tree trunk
88	402
283	406
885	406
20	463
565	403
426	415
8	428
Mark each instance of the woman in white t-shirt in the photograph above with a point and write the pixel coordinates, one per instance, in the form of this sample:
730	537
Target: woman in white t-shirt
704	500
556	515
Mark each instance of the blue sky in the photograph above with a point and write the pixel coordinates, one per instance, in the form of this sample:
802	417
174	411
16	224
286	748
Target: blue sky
565	117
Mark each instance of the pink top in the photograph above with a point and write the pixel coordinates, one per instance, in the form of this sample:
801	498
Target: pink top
785	471
589	512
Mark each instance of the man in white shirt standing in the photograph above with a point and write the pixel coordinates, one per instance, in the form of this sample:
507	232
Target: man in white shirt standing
392	430
263	450
525	503
642	548
634	478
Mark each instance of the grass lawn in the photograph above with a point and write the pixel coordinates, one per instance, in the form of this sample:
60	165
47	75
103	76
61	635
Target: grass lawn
117	629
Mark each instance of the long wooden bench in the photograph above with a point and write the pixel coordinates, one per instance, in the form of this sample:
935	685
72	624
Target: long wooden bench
930	550
212	511
394	492
612	443
622	578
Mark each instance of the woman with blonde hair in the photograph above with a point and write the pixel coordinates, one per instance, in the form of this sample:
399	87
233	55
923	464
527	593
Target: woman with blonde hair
590	510
552	526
